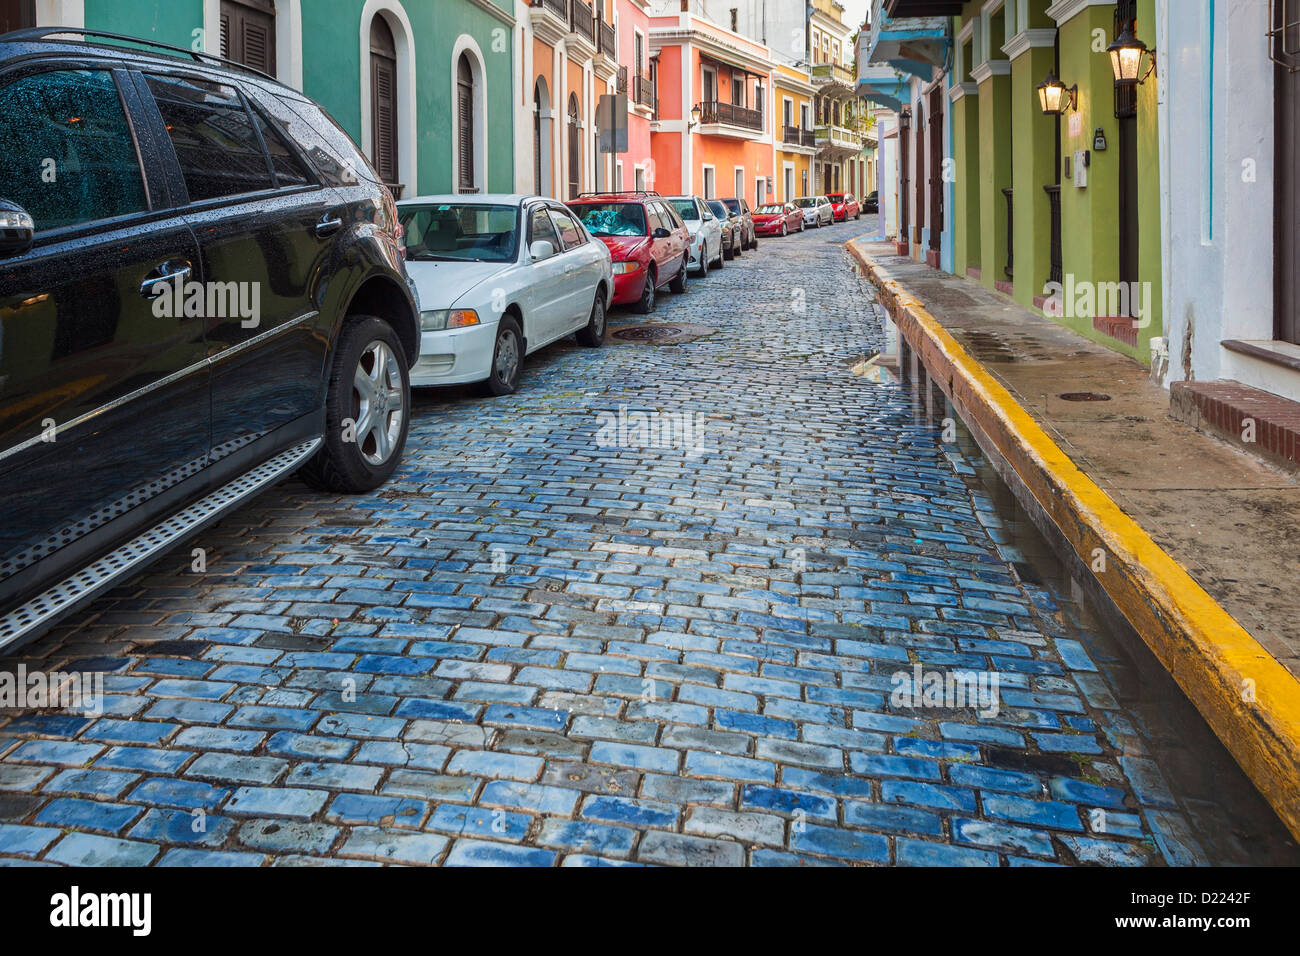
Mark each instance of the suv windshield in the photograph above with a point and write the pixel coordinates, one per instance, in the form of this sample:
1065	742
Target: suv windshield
612	218
460	232
718	208
770	210
686	208
733	205
805	203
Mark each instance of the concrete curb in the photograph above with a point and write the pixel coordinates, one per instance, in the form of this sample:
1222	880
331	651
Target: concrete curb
1250	700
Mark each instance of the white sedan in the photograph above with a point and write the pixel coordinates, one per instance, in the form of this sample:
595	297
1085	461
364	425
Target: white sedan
705	230
817	211
500	277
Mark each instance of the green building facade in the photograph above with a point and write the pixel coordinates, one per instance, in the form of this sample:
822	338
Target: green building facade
1072	200
397	75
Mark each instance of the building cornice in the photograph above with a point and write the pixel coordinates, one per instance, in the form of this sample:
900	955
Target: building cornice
1063	11
712	45
990	68
958	90
1028	40
487	6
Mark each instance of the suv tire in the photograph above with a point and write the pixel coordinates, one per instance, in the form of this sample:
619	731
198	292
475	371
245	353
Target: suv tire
362	457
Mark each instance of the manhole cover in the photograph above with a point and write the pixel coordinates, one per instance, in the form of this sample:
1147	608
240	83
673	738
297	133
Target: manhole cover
648	333
1084	397
660	334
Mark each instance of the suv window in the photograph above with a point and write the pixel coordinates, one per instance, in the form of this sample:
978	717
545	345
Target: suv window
214	137
289	169
67	155
570	234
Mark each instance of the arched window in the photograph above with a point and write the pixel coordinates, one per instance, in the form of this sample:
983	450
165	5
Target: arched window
537	139
248	33
543	139
575	148
465	125
383	100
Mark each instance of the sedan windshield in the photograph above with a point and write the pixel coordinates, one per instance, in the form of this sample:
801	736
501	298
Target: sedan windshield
460	232
770	210
732	204
806	203
612	218
686	209
718	208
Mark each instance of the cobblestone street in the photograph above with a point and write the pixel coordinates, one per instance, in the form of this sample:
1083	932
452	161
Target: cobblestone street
562	636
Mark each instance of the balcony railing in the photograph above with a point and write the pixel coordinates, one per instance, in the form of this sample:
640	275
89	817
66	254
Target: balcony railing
840	136
558	7
644	92
606	39
833	72
798	136
731	115
582	19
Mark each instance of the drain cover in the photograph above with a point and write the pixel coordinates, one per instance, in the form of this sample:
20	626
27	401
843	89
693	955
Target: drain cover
648	333
1084	397
660	334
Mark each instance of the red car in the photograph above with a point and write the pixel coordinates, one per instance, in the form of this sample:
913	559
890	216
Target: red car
844	206
778	219
647	240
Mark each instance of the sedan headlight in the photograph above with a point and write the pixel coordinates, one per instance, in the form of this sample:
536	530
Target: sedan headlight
623	268
447	319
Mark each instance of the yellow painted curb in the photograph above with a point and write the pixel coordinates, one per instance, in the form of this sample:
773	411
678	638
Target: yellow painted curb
1250	700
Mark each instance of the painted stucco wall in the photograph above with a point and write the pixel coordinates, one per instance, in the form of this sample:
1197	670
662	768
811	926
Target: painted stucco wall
1218	190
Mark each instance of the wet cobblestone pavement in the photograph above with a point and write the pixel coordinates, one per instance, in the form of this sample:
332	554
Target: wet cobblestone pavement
654	608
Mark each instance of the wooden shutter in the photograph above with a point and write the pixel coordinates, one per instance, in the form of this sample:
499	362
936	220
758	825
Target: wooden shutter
383	100
465	126
17	15
248	33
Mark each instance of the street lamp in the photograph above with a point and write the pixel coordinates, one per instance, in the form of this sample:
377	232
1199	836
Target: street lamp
1126	58
1055	98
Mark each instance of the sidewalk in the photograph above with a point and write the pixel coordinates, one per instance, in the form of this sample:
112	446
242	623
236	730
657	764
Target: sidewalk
1202	513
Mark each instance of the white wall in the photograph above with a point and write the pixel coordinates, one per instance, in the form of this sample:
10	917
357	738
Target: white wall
1217	183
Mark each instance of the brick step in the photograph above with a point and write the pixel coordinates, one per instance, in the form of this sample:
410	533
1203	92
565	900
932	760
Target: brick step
1229	409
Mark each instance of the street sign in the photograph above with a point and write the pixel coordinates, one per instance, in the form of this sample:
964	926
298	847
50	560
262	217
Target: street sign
611	120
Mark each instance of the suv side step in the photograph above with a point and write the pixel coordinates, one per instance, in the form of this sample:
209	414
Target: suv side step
42	610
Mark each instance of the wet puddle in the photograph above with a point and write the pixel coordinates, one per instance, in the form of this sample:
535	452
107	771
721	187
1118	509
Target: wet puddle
1221	811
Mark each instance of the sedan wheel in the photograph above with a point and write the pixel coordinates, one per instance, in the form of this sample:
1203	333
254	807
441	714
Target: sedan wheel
592	334
367	410
678	282
784	231
507	358
646	304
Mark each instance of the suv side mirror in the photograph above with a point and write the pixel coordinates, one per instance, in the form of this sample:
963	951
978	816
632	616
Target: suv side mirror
661	233
541	249
17	229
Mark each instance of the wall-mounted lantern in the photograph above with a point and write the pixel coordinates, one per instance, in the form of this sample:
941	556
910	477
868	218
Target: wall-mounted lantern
1055	98
905	119
696	113
1126	55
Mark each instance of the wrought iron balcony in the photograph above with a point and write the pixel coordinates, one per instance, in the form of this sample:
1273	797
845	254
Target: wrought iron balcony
558	7
798	136
644	92
715	113
582	19
606	39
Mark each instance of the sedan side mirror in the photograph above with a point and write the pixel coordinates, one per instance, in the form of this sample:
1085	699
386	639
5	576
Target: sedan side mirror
17	229
661	233
541	249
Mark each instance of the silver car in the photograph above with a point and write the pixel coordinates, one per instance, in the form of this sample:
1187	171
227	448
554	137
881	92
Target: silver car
705	230
817	211
499	277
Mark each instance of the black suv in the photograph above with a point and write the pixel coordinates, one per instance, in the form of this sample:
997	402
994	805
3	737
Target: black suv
202	289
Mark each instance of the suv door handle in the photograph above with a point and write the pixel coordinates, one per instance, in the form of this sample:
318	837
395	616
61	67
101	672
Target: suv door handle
327	227
150	287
